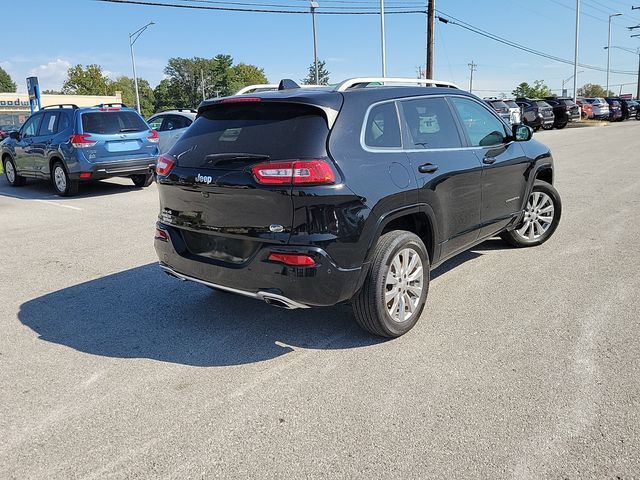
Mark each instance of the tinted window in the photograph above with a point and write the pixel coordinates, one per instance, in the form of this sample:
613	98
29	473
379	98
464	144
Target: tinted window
277	130
430	124
542	104
482	127
48	125
382	129
553	102
108	123
30	128
511	104
173	122
65	121
499	105
155	122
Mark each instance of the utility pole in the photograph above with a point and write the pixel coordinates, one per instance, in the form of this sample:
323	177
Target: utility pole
575	55
609	48
472	67
132	39
382	42
638	51
431	25
314	5
202	83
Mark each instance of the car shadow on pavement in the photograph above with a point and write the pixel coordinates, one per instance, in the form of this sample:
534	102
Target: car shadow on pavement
43	190
468	255
143	313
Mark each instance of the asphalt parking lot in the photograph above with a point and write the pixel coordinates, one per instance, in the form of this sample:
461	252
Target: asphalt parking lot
525	364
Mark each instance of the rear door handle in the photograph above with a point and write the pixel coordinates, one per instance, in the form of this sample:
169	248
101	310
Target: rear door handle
427	168
488	160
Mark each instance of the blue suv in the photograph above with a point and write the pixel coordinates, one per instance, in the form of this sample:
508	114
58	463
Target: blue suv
68	145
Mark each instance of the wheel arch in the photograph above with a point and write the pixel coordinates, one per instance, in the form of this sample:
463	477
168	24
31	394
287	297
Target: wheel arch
56	158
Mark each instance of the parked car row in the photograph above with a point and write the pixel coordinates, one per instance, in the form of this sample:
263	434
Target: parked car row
613	109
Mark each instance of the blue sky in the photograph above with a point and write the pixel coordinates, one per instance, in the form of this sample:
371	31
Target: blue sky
67	32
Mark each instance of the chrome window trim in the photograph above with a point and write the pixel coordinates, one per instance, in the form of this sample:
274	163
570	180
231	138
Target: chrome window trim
366	148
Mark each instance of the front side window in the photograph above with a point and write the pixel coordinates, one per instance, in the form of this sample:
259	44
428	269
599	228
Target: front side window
382	129
174	122
482	127
30	128
430	124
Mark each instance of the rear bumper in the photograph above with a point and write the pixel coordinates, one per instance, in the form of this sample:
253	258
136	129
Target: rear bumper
324	284
116	168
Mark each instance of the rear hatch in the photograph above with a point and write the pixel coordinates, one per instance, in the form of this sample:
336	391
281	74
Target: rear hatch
544	108
118	135
212	194
573	110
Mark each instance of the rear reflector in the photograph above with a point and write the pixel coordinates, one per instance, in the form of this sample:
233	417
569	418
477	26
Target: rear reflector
293	259
240	100
293	172
153	136
161	235
164	164
85	175
82	140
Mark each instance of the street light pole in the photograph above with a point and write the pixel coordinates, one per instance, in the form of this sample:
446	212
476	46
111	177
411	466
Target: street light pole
575	56
382	41
609	49
566	80
132	39
314	5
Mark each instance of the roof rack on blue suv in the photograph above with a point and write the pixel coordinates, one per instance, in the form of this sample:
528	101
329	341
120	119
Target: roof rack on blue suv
68	145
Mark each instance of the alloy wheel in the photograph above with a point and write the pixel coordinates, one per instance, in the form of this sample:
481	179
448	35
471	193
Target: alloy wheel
404	284
60	178
11	173
538	216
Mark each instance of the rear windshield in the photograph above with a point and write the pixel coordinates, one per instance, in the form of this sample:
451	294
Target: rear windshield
511	104
498	104
542	104
278	131
108	123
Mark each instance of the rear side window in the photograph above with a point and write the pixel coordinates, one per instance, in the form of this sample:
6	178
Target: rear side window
65	121
108	123
382	129
174	122
279	131
430	124
542	104
48	125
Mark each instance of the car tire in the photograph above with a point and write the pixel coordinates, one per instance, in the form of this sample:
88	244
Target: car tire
400	264
560	126
11	173
542	215
64	186
142	180
535	129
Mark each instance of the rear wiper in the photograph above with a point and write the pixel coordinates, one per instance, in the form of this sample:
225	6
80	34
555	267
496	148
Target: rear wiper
122	130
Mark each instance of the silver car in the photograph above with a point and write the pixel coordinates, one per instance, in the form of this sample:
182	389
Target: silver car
170	126
599	107
514	111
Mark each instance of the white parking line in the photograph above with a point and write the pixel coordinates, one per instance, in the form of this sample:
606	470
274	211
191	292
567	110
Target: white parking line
59	204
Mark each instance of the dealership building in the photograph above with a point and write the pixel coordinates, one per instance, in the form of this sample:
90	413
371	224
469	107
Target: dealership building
14	107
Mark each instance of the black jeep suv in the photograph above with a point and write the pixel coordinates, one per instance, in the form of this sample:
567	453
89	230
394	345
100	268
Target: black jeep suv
313	197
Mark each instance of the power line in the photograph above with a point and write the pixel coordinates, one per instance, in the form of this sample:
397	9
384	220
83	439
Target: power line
446	18
257	10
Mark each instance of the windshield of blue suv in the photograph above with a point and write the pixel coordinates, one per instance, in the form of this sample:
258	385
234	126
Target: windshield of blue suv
109	123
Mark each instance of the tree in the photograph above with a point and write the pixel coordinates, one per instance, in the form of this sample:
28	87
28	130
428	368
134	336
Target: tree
323	74
127	87
51	92
6	83
86	81
537	90
594	90
188	77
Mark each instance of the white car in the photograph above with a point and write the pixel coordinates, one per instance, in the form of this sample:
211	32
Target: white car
170	126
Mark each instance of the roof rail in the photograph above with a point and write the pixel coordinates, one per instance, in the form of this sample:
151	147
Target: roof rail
270	87
61	105
101	105
361	82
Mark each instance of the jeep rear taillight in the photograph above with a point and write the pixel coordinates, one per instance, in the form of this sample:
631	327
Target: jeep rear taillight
82	140
164	164
153	136
294	172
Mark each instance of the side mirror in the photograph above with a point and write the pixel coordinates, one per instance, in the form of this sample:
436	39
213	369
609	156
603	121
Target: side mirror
522	133
15	135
